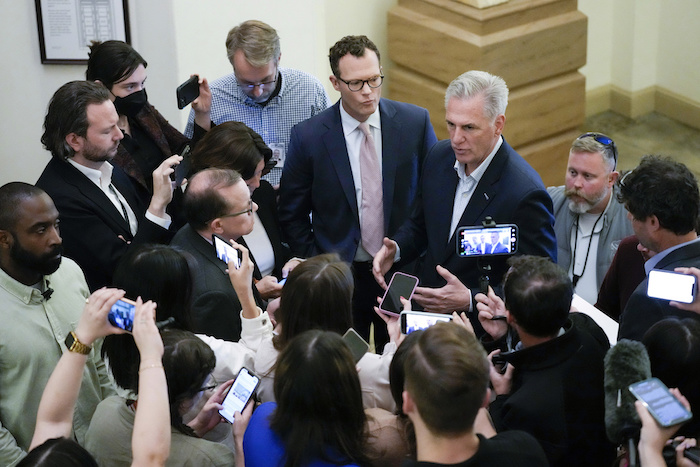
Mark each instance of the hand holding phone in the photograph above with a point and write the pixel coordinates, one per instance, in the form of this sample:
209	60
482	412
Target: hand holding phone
239	394
121	314
226	252
661	403
187	92
401	285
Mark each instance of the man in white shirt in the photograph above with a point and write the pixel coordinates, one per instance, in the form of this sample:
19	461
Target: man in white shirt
100	212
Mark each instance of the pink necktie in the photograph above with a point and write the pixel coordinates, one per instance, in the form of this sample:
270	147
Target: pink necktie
372	223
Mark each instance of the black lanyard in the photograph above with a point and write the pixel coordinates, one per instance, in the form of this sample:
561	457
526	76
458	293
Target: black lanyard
576	278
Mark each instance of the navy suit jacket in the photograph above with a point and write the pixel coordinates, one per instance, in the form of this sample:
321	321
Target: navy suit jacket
91	225
642	312
510	191
317	178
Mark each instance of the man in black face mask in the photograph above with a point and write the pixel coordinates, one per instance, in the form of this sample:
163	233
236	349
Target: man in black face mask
42	295
101	211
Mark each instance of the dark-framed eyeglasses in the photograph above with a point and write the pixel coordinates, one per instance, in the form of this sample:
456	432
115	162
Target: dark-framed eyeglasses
266	85
247	211
604	140
357	84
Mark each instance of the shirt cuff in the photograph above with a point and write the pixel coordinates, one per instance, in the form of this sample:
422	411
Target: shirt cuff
163	222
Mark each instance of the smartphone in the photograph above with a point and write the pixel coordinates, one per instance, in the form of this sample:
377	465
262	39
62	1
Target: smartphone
669	285
187	92
226	252
415	320
401	285
183	167
487	241
358	346
121	314
662	405
239	393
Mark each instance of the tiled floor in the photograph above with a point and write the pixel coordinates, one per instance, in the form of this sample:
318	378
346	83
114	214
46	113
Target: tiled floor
651	134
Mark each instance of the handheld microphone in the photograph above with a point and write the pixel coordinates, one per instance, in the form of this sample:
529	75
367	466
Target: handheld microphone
625	363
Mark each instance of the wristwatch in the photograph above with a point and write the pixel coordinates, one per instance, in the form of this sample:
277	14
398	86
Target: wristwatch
74	345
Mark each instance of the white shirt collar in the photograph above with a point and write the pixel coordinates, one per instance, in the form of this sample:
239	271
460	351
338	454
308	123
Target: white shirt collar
101	177
350	124
479	171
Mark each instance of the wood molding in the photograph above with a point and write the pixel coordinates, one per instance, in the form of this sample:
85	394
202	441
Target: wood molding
642	102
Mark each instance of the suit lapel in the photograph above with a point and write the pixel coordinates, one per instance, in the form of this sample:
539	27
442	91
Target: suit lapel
334	141
94	195
391	147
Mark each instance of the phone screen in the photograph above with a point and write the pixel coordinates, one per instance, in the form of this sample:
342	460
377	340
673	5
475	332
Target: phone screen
415	320
662	405
358	346
487	241
401	285
670	285
226	252
239	394
121	314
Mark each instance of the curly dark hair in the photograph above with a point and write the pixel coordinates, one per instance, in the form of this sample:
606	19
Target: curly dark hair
353	45
662	187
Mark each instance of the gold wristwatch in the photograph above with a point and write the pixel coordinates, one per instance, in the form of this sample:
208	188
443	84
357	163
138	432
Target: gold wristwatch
74	345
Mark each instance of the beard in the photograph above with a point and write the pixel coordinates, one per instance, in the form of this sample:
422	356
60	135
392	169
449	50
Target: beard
92	153
586	203
45	264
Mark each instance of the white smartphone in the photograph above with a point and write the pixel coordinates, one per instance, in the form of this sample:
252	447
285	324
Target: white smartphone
358	346
401	285
670	285
415	320
239	393
226	252
662	405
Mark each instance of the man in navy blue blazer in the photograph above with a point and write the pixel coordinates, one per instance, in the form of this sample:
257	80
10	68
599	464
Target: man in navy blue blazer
472	175
322	172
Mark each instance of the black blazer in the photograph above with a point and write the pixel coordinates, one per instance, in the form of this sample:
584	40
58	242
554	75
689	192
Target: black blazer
91	225
215	305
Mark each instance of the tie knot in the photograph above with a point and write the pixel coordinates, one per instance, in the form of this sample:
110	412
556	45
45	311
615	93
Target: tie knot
364	127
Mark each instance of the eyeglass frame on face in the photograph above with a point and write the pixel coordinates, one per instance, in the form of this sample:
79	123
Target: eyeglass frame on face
214	384
247	211
252	87
604	140
363	81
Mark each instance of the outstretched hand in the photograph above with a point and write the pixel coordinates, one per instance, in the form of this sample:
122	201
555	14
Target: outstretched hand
453	296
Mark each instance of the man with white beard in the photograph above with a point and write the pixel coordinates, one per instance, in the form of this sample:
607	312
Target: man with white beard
589	221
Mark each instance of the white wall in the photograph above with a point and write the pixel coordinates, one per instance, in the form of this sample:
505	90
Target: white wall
632	44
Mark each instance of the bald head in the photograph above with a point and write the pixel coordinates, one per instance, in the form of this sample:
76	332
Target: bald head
203	201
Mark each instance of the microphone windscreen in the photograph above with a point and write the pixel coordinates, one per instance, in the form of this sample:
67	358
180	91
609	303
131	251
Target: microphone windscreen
627	362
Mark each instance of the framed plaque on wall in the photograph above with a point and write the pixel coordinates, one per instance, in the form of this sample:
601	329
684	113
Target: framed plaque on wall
67	27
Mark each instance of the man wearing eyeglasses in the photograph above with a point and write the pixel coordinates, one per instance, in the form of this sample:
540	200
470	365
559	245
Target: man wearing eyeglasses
589	221
217	201
267	98
355	169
